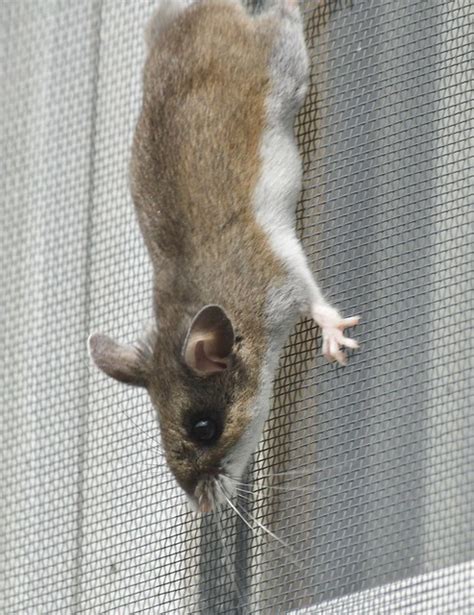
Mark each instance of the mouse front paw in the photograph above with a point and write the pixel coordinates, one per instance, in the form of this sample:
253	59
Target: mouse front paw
332	327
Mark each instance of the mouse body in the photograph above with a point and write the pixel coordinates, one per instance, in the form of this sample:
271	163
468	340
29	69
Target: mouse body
215	178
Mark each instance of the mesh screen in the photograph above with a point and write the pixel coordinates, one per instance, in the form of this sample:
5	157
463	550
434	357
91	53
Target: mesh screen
365	473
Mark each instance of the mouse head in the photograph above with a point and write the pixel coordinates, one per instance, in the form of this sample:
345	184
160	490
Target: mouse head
204	385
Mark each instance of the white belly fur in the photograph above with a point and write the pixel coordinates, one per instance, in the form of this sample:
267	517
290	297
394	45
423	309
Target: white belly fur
277	193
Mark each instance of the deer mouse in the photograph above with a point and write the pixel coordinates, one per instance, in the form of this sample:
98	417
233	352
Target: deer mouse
215	177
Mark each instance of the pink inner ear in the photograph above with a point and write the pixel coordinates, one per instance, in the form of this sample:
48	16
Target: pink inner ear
204	363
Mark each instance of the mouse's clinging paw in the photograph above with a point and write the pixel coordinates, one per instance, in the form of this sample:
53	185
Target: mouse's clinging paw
332	327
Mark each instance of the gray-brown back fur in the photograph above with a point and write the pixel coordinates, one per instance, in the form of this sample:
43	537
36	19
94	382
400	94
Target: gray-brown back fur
194	168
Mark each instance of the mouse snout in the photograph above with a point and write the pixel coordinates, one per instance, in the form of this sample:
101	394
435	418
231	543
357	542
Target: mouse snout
207	494
205	505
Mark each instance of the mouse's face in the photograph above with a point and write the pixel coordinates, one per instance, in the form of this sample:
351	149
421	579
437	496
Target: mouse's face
202	424
206	397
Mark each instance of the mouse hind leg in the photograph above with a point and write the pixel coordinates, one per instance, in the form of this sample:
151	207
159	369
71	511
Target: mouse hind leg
289	62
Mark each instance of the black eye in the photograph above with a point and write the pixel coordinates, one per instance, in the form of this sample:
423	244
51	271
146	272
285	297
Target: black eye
204	430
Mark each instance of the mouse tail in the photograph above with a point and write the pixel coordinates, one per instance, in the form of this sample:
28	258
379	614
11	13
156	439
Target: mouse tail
163	16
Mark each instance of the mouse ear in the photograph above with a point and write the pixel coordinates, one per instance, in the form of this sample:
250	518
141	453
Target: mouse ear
128	363
209	342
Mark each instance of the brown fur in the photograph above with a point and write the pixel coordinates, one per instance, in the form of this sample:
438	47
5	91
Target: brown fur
194	168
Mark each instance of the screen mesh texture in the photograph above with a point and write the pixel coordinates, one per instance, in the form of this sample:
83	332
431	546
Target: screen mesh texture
365	473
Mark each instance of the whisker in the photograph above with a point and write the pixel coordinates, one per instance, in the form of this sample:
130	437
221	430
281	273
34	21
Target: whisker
289	489
278	487
261	526
296	473
240	483
239	487
259	475
269	532
275	537
315	470
243	489
243	495
235	509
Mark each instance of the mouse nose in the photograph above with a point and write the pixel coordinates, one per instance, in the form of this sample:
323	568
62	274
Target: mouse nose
205	506
205	494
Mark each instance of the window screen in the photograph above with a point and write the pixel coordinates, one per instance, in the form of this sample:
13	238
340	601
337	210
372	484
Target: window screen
364	476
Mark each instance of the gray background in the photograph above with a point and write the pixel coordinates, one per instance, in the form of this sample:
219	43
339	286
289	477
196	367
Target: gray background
365	472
